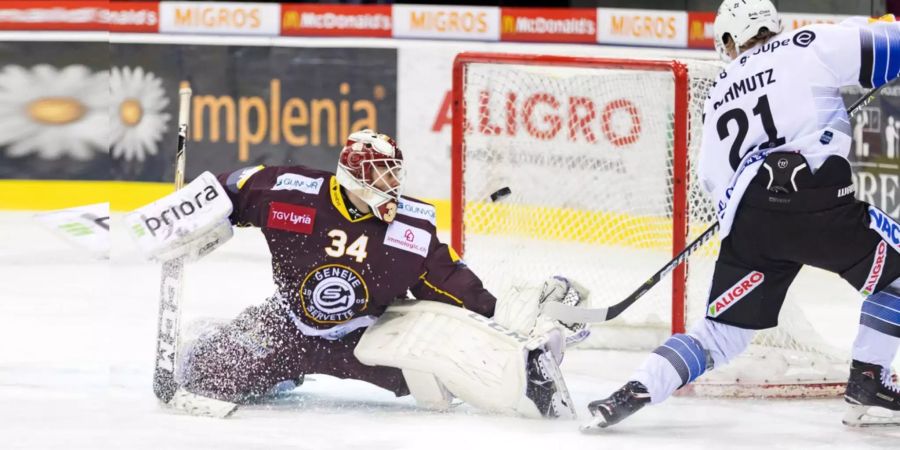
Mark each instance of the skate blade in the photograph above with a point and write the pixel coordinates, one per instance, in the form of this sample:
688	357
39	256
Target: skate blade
595	426
198	405
870	416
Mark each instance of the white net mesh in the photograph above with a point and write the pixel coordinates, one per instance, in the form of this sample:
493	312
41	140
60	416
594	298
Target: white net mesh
587	151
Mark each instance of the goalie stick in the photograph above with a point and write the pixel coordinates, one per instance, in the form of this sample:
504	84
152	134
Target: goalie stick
171	284
572	314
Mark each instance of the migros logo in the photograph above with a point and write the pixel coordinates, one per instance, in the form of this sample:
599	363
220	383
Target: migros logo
644	26
449	21
297	121
218	17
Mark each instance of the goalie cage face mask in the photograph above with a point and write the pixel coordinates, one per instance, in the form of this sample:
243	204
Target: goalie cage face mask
371	167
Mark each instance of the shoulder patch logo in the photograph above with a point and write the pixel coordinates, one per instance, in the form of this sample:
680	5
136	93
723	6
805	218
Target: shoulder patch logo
297	182
804	38
416	210
407	237
288	217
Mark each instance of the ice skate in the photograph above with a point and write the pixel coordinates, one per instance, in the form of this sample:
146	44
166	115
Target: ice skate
615	408
873	396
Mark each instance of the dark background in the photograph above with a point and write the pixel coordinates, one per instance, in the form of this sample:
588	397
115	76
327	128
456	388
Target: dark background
236	72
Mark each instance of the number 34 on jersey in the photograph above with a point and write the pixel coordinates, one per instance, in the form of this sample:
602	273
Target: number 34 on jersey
339	247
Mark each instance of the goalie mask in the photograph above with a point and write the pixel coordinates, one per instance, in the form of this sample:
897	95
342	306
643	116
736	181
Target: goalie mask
371	167
741	20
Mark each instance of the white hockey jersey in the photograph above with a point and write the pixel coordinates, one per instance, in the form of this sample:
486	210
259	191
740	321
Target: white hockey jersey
785	95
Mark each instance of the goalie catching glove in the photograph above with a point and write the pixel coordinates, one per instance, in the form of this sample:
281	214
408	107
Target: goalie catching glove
190	222
521	310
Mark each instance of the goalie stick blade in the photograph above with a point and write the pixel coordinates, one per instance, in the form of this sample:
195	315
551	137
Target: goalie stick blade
164	385
198	405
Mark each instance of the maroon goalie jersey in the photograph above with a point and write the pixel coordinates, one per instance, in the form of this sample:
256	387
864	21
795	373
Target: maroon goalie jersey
335	273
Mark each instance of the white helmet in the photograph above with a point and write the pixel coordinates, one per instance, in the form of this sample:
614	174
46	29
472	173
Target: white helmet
742	20
365	164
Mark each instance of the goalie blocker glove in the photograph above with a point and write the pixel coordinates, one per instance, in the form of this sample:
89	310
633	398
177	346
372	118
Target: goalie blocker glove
190	222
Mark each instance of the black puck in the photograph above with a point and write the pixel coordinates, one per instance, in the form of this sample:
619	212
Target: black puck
500	193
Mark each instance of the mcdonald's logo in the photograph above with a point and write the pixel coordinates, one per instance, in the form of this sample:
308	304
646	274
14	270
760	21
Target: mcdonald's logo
697	29
508	24
291	20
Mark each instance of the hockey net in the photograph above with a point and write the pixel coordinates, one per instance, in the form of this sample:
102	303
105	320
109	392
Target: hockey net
599	155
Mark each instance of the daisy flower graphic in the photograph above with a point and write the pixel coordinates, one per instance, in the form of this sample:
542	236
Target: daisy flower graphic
136	118
51	112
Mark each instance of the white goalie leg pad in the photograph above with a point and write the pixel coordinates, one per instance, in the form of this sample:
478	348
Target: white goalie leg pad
476	359
428	391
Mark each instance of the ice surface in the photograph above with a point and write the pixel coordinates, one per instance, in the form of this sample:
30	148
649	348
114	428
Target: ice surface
76	355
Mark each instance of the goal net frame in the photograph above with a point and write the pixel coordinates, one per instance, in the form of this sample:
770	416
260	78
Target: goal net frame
680	148
819	374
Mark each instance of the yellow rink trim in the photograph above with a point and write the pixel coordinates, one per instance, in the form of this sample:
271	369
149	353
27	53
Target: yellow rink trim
49	194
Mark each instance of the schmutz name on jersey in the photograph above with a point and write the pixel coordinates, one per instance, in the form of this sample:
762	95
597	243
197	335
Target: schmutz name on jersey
752	83
177	212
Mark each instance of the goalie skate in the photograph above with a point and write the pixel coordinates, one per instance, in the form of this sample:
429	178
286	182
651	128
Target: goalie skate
873	396
546	387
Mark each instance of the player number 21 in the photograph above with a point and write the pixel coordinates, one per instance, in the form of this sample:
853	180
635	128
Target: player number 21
738	116
340	248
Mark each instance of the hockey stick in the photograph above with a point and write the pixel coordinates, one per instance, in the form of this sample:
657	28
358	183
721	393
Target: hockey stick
572	314
171	284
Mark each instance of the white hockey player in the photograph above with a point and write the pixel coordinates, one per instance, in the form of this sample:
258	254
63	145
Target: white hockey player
776	136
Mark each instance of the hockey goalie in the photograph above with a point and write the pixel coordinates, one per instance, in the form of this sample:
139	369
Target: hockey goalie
347	250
